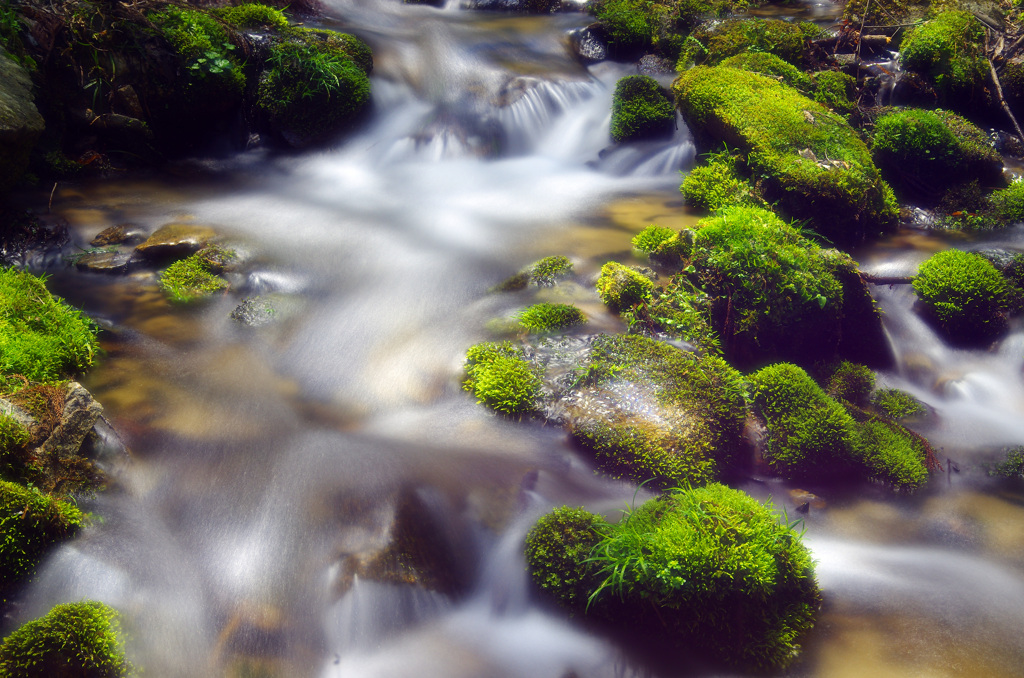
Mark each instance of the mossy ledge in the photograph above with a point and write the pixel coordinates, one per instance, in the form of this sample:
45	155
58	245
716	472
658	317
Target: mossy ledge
709	570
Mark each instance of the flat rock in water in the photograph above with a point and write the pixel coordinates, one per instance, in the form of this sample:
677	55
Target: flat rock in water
104	262
116	235
175	240
81	411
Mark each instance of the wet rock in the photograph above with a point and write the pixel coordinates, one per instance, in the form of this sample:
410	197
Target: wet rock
651	64
20	122
254	312
81	411
104	262
589	44
803	497
172	241
117	235
999	257
11	410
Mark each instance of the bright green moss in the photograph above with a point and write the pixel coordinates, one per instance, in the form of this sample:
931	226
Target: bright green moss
500	378
774	291
659	26
73	639
851	382
550	317
964	294
893	455
717	184
347	44
557	548
12	434
195	277
205	47
30	523
711	569
810	436
834	90
678	311
311	88
933	149
949	50
629	26
254	15
652	238
641	110
771	65
1008	203
896	404
694	436
549	270
712	43
620	286
813	163
41	337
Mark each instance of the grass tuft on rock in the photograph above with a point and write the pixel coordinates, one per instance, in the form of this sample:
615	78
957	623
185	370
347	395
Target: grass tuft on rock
551	317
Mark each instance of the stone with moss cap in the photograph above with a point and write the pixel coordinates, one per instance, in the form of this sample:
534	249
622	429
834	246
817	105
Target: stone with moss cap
621	286
641	110
813	163
713	42
709	569
965	296
196	277
718	183
500	377
547	317
949	50
73	639
650	411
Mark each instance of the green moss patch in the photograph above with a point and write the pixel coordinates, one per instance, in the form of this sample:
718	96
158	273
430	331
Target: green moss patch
195	277
648	410
41	337
771	65
713	42
206	49
851	382
896	404
557	549
73	639
641	110
718	184
499	376
964	294
950	51
551	317
30	523
254	15
813	163
621	286
710	569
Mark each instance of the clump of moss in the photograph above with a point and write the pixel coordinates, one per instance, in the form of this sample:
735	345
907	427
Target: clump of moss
195	277
1008	204
557	549
924	151
1012	467
73	639
550	317
851	382
206	49
688	431
896	404
708	568
770	65
254	15
950	51
311	88
893	455
41	337
499	377
549	270
641	110
717	184
652	238
813	163
713	42
834	90
620	286
30	522
964	294
810	436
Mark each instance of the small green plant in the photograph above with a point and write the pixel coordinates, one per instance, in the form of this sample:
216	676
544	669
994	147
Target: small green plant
73	639
195	277
717	184
896	404
500	378
621	287
851	382
1012	467
41	337
641	110
652	238
551	317
205	46
964	294
549	270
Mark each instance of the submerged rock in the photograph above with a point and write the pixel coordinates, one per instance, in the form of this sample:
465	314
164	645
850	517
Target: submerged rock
104	262
117	235
172	241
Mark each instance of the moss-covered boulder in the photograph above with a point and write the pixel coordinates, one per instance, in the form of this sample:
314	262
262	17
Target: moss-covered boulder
949	50
708	569
500	377
641	110
31	523
835	90
544	272
621	286
964	295
20	122
813	164
713	42
1007	205
80	640
314	84
718	183
773	66
650	411
196	277
41	337
925	152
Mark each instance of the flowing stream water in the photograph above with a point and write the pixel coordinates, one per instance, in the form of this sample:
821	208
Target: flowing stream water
262	458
